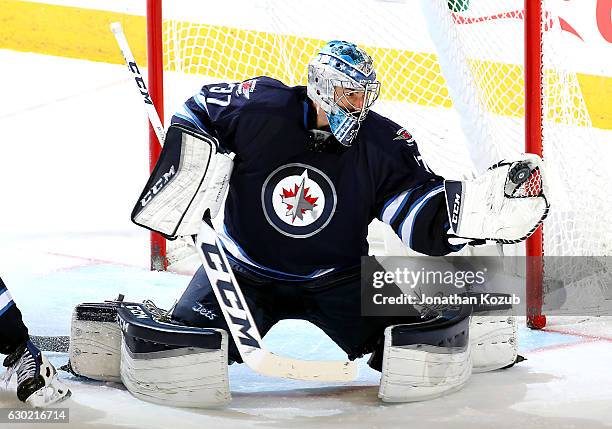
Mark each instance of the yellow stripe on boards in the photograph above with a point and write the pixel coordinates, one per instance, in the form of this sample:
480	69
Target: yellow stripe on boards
68	31
597	94
236	54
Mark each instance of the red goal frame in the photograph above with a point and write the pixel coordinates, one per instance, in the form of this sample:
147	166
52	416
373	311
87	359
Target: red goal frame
155	63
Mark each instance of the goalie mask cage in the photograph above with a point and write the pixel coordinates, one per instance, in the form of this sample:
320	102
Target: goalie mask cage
474	81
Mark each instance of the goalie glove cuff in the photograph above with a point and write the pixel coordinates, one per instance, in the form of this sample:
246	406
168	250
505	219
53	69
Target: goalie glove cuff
454	199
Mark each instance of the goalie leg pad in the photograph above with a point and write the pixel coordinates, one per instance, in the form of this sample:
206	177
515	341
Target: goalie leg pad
426	360
493	338
95	341
171	364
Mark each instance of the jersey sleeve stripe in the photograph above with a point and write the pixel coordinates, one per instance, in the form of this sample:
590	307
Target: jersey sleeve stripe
387	204
6	300
186	113
201	102
406	227
394	206
184	118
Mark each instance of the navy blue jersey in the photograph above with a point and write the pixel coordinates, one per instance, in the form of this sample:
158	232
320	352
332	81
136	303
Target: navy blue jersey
13	332
297	211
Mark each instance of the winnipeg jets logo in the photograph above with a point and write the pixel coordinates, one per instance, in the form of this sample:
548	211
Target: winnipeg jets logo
298	200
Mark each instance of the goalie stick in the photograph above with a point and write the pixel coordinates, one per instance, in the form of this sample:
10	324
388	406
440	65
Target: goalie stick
227	291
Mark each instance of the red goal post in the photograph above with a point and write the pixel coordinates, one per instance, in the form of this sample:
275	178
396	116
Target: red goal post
533	144
155	64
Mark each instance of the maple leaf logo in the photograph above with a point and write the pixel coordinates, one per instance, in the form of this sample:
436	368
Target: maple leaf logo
297	199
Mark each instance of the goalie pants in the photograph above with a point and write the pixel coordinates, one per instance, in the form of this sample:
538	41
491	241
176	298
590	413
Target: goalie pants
12	330
332	303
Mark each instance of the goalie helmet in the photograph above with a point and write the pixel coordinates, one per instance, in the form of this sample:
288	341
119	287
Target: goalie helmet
342	81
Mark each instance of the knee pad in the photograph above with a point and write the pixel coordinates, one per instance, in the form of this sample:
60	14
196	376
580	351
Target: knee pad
426	360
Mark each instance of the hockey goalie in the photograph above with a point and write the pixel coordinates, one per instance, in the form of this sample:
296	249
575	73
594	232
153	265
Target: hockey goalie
305	171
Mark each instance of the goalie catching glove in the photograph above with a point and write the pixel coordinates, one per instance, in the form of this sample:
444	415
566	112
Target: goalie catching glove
505	204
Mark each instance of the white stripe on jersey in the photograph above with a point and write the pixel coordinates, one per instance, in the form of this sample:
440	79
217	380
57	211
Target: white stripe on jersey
405	229
391	210
201	101
189	115
5	300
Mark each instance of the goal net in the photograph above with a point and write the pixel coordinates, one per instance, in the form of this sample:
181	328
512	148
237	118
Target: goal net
452	73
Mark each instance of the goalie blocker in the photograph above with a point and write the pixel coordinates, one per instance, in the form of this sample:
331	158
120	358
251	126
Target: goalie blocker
157	361
190	177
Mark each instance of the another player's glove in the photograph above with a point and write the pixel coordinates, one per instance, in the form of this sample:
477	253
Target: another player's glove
506	204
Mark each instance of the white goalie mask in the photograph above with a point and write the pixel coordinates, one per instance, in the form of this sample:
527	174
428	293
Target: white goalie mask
342	82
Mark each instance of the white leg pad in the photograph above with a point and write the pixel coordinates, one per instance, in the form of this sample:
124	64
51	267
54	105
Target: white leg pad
171	364
95	345
186	377
493	338
421	372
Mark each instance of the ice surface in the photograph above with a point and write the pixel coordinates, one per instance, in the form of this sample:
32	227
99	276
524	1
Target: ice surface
73	159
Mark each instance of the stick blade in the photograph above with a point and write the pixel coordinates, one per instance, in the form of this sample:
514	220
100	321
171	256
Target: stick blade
272	365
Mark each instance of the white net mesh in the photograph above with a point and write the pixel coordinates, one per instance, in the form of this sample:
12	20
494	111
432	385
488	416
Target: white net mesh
451	72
